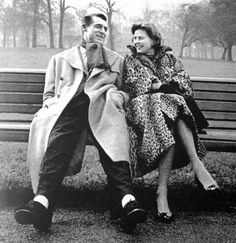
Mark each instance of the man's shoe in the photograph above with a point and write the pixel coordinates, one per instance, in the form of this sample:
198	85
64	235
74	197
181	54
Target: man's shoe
34	213
133	214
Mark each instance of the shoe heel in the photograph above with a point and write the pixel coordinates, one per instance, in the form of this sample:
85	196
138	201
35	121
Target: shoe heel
45	226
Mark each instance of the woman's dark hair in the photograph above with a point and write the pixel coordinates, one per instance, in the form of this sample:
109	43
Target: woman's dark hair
151	31
88	19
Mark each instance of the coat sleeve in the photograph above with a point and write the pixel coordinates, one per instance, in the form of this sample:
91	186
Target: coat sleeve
128	76
119	81
49	87
176	78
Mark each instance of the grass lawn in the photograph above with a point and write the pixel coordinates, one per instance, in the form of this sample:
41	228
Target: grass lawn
15	176
38	58
82	212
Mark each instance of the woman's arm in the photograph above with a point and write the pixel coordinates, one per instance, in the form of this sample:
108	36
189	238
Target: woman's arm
177	80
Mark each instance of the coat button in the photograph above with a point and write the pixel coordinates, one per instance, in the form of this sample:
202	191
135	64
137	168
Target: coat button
58	96
61	78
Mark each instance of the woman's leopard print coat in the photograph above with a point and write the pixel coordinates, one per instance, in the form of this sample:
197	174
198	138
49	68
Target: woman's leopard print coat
151	115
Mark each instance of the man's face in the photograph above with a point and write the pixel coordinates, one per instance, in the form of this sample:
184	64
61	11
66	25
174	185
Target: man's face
96	32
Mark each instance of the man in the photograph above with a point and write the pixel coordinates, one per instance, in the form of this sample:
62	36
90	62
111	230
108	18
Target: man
81	101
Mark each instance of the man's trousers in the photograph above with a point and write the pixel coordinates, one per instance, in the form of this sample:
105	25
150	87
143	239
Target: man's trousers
62	142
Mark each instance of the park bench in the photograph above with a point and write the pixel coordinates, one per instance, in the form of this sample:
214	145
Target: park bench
21	97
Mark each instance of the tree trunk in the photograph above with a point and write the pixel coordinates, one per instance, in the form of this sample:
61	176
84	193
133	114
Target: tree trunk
212	52
111	34
229	56
4	36
190	51
50	24
14	24
27	41
224	53
62	12
181	49
34	29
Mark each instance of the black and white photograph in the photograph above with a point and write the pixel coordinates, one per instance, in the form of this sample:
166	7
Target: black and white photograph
118	121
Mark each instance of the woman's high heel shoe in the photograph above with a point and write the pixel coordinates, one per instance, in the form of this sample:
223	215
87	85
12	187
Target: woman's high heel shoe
164	217
211	188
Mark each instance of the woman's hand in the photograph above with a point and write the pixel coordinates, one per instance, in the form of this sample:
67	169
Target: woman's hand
156	86
117	100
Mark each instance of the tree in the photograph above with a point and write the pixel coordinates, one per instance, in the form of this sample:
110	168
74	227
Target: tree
108	10
63	8
35	20
49	22
14	22
3	11
191	22
225	23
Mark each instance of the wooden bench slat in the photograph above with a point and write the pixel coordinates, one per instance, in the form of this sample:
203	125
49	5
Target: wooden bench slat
22	77
19	108
14	136
5	126
213	115
219	135
216	106
16	117
23	98
219	146
214	87
212	80
222	124
22	87
206	95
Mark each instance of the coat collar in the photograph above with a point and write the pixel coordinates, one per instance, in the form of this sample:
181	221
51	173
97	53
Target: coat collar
72	56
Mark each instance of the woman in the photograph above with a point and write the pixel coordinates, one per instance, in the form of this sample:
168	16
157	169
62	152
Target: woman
162	116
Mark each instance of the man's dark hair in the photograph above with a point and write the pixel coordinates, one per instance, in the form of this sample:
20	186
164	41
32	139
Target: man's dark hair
88	19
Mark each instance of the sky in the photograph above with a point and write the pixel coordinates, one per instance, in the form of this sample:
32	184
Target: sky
130	7
134	7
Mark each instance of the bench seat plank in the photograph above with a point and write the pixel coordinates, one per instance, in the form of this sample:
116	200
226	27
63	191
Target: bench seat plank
22	98
219	135
219	146
16	117
22	87
221	96
5	126
222	124
22	77
226	116
14	136
216	105
19	108
227	87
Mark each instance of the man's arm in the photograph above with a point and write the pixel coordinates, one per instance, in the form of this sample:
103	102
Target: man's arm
49	87
119	83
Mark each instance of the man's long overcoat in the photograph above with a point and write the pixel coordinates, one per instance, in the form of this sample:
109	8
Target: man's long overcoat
106	114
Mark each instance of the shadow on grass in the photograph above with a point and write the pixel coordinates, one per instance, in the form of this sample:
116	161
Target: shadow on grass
184	199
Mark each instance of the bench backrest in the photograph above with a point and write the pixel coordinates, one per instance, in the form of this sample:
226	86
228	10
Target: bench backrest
21	92
217	99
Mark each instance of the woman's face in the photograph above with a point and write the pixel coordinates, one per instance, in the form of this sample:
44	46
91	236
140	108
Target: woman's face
142	42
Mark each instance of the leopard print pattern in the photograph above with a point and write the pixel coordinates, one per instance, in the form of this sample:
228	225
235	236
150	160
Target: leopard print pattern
172	70
150	136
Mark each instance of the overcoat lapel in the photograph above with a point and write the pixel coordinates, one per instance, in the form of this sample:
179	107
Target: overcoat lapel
73	57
